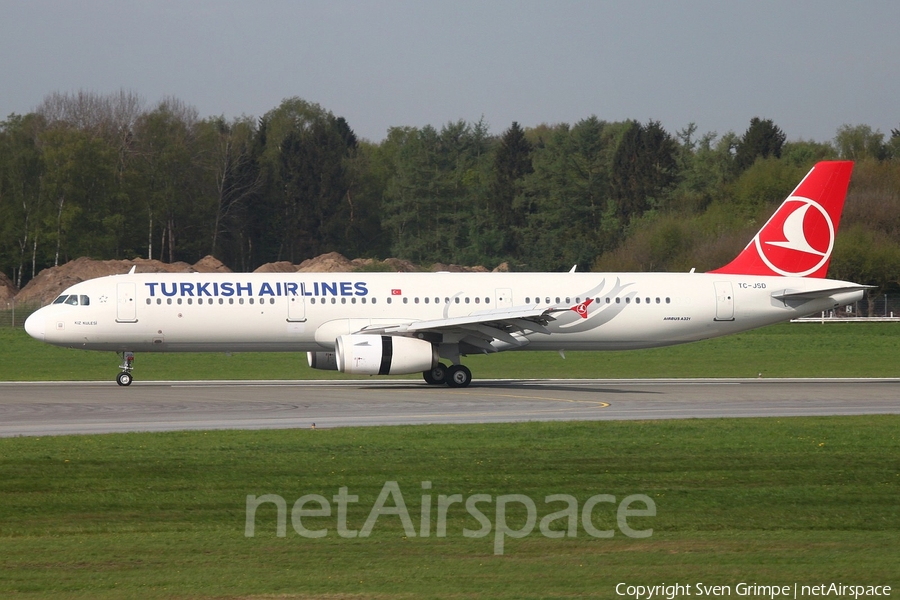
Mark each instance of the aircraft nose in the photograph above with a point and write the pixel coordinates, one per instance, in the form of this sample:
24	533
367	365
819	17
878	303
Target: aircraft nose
34	325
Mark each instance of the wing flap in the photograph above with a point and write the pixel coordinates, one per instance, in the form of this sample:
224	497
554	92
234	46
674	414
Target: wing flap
484	326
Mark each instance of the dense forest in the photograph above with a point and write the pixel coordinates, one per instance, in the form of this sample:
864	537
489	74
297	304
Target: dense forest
106	176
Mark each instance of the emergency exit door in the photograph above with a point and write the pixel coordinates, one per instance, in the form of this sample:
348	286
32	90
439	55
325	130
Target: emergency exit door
724	301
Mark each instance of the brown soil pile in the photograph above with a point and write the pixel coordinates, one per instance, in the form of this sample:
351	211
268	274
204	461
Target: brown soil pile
284	266
49	283
7	290
333	262
457	268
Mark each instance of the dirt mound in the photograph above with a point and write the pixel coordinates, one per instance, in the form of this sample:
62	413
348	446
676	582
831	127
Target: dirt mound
7	289
284	266
50	282
441	267
210	264
333	262
401	266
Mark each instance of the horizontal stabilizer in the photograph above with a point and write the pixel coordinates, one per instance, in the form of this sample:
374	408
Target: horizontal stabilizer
815	294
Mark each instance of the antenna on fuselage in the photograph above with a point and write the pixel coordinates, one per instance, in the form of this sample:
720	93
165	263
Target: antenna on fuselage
572	270
133	267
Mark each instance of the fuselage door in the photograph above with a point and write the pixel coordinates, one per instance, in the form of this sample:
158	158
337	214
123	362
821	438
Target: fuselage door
296	309
724	301
126	306
504	297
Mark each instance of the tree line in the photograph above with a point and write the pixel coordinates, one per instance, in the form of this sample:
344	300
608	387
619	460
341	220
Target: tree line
107	177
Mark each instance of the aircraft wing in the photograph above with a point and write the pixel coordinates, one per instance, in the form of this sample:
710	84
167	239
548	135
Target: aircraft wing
484	331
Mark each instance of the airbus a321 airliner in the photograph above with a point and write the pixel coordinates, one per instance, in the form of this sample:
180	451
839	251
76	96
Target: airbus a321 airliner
401	323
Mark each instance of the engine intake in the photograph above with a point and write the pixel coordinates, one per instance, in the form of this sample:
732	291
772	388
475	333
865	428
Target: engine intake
363	354
326	361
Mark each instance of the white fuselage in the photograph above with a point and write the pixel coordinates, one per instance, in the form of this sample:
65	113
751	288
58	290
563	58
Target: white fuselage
157	312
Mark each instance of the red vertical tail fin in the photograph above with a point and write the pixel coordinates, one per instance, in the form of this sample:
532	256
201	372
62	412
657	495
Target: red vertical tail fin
798	239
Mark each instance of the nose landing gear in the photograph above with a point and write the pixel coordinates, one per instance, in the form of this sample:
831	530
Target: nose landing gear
125	378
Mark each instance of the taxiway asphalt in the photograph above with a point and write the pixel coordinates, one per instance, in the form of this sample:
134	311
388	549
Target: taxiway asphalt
35	409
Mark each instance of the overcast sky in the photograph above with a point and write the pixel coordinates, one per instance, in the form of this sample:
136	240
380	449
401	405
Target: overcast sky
808	66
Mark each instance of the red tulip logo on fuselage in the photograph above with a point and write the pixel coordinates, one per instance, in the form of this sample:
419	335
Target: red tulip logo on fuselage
798	239
581	309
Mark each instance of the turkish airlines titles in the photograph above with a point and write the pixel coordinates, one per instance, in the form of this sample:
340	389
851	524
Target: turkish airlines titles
236	288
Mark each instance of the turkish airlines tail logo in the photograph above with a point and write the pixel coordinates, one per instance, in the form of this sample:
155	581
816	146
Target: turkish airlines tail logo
798	239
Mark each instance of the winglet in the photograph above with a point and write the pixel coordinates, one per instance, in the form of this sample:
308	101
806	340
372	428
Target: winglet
798	239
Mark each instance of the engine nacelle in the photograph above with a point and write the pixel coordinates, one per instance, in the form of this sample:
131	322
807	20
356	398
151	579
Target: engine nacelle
363	354
326	361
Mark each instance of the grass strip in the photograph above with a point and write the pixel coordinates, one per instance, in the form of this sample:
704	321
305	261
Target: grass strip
773	501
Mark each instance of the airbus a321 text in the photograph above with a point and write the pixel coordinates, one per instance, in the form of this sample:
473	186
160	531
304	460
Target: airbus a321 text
400	323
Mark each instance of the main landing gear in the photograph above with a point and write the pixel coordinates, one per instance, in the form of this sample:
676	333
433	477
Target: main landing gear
125	378
457	376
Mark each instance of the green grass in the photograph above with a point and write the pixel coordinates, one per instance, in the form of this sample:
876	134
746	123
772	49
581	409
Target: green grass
772	501
789	350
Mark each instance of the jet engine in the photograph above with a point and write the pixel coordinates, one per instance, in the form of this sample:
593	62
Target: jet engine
363	354
326	361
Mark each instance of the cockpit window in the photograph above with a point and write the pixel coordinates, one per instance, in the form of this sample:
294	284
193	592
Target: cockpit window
73	300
